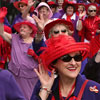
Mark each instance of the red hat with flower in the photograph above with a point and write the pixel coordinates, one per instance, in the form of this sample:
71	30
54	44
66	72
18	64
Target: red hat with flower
60	46
18	25
16	4
54	22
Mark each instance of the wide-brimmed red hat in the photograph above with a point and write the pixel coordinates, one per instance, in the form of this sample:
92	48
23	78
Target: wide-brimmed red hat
18	25
90	4
66	3
16	4
60	46
50	3
54	22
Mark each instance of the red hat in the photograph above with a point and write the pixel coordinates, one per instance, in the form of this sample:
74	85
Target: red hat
54	22
50	3
90	4
7	29
16	4
66	3
18	25
78	4
60	46
3	13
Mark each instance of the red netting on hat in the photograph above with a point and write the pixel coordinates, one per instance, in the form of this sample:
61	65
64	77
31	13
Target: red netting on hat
59	46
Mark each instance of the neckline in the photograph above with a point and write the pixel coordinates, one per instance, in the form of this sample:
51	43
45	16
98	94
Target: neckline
69	94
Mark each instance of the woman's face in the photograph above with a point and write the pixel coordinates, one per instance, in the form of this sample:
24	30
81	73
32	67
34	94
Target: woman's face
80	8
25	30
70	10
59	29
60	2
69	69
44	11
92	11
22	7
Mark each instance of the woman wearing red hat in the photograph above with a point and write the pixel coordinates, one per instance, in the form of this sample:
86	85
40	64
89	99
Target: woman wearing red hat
21	65
21	6
63	56
70	8
4	46
89	23
53	28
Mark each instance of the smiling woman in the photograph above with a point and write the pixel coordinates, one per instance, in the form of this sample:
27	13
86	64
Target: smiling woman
63	56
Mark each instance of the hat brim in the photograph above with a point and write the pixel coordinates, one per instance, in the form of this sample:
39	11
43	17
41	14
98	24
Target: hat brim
48	58
66	3
53	23
18	25
16	4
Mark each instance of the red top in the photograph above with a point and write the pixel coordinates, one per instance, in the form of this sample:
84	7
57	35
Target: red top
89	27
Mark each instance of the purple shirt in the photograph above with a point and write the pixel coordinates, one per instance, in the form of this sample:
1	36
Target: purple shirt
9	89
21	64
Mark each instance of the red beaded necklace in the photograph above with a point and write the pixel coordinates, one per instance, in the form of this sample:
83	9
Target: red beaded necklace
69	94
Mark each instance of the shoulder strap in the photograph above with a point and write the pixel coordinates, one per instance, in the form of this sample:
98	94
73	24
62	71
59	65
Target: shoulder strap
82	90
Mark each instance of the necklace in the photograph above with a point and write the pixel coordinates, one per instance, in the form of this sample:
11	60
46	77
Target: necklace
69	94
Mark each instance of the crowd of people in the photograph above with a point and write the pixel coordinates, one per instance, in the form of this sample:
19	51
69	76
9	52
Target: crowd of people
51	49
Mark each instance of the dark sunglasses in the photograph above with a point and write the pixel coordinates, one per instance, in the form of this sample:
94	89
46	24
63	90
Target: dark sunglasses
68	58
21	6
57	32
92	10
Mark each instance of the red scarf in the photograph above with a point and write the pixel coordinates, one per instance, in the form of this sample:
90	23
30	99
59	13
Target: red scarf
68	18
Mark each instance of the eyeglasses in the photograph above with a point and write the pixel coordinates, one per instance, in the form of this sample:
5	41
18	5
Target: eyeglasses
68	58
57	32
92	10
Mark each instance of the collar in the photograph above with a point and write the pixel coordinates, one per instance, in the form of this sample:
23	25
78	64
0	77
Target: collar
72	18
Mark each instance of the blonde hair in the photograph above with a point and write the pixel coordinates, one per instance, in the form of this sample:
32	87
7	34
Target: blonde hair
92	7
51	30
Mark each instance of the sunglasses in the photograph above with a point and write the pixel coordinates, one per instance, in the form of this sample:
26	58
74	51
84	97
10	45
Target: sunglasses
21	6
92	10
57	32
68	58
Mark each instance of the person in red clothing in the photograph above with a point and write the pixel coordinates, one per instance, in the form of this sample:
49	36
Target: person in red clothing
89	23
5	48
